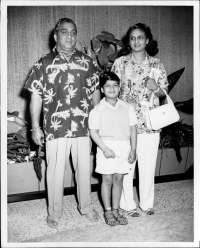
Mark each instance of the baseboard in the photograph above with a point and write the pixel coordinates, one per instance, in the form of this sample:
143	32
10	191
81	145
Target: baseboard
96	187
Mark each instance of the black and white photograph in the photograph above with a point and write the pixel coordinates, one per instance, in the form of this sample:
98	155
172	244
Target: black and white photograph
99	124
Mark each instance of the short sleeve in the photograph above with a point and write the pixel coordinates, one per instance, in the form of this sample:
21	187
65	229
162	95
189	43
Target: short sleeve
94	119
162	81
94	77
116	68
34	83
132	116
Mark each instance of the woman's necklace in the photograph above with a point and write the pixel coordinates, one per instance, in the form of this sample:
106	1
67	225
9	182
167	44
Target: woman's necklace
139	63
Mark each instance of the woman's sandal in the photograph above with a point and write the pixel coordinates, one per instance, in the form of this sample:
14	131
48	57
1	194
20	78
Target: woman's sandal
51	223
133	213
119	217
110	218
149	211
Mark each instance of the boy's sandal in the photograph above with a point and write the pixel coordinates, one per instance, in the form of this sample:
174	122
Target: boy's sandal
93	216
133	213
119	217
110	218
149	211
51	223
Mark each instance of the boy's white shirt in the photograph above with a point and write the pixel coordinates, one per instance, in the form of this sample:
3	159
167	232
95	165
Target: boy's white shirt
103	103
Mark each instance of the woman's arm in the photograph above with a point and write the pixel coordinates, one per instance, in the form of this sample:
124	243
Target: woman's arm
108	153
132	154
152	85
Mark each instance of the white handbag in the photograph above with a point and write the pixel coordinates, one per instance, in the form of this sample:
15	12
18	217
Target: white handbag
161	116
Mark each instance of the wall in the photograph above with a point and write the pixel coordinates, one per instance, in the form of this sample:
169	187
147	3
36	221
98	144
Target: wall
22	177
29	29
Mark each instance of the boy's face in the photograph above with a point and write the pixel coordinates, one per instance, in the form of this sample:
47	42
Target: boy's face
111	89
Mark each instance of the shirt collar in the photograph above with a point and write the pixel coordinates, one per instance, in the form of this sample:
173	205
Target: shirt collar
104	104
146	58
77	52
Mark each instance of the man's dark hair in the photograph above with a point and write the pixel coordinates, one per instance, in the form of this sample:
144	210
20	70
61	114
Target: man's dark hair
62	20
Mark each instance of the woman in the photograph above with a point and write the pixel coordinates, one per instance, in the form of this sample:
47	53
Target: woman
141	75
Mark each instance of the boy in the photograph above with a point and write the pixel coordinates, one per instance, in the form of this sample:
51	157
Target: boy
112	125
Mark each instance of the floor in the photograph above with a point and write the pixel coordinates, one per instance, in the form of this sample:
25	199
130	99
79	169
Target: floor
172	222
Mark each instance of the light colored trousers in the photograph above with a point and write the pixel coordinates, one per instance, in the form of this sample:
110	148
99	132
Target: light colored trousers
57	154
147	150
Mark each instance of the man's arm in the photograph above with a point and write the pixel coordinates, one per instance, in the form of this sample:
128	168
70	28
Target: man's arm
96	97
35	111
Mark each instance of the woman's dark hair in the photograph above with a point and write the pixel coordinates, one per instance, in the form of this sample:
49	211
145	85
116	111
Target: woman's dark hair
151	48
108	75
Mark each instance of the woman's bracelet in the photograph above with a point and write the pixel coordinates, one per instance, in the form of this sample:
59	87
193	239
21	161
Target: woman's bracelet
156	91
35	128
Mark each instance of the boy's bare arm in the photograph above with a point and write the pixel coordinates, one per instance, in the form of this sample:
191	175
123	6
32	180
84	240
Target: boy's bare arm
108	153
133	137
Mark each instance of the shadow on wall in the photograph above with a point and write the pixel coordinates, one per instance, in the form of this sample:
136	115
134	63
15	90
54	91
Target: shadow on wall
24	94
51	42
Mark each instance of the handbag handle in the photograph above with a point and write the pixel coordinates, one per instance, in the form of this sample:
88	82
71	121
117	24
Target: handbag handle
169	100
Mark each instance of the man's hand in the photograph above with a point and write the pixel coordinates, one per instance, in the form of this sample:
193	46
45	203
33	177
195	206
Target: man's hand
38	136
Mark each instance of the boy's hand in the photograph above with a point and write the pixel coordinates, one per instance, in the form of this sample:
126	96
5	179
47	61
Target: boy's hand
132	156
109	153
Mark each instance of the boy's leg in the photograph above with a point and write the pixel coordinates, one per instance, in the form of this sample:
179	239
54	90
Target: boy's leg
116	195
57	152
127	202
106	188
106	193
117	189
147	149
81	162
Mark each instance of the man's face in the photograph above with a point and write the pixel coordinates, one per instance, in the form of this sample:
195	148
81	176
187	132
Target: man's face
66	37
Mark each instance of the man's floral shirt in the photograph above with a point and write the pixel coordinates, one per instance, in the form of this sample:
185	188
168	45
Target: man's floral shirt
132	77
66	90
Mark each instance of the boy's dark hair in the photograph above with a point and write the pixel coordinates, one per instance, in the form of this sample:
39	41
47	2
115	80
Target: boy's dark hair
108	75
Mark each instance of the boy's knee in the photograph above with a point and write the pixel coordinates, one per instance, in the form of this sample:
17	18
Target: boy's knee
118	179
108	180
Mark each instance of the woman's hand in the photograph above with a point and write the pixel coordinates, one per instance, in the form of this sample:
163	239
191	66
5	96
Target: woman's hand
150	83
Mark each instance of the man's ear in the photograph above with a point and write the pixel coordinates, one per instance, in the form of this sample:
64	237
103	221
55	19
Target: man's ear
55	37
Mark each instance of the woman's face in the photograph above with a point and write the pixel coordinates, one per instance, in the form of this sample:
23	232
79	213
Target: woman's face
138	40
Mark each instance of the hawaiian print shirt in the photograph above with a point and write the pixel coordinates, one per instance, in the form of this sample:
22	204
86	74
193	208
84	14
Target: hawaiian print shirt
132	77
66	90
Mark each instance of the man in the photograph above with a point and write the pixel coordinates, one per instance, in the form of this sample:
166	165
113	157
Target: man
65	86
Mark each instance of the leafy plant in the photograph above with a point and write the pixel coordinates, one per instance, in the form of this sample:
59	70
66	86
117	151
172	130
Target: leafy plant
176	136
